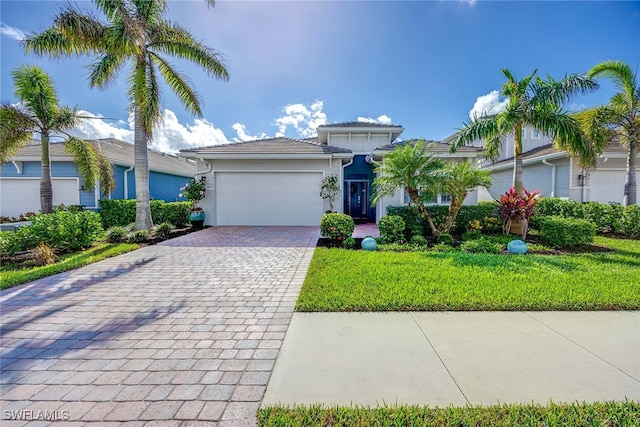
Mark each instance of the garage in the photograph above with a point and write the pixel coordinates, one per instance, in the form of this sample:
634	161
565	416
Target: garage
268	198
21	195
602	182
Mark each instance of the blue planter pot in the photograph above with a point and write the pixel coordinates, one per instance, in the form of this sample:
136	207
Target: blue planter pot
369	244
517	247
197	219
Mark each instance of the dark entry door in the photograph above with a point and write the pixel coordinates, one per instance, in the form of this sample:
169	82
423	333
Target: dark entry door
357	199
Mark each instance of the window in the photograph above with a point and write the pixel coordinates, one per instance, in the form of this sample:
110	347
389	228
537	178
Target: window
535	134
445	199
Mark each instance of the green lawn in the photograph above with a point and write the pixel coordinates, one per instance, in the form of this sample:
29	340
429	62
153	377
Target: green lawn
574	415
11	275
342	280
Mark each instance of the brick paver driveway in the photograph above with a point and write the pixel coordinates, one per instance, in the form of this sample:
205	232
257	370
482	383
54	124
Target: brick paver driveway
180	333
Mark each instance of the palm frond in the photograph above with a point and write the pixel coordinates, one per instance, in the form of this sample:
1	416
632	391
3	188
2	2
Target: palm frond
16	129
619	73
179	84
149	11
84	157
104	72
67	118
475	130
105	175
85	32
558	92
35	89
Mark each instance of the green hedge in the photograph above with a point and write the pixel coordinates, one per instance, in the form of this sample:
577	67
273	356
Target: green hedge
467	213
608	217
123	212
392	228
566	232
337	226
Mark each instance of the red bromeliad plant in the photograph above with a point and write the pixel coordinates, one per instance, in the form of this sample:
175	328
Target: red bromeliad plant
516	207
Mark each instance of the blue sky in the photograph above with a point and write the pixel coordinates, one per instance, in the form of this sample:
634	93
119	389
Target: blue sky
294	64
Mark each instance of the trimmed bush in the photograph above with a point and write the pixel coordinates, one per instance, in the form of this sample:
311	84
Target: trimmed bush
117	234
123	212
337	226
471	235
482	245
483	212
566	232
418	240
349	243
447	239
18	241
392	228
67	231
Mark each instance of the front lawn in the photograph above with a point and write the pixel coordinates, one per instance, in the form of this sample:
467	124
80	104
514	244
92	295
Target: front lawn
343	280
575	415
15	274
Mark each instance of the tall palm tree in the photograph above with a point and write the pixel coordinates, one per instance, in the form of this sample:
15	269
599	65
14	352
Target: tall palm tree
412	167
460	178
534	102
617	121
39	112
135	32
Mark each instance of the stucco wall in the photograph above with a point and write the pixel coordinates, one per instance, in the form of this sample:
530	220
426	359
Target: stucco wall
359	143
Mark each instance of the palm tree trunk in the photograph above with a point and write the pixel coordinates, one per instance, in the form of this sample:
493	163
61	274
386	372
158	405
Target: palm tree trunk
141	165
631	184
517	161
424	213
46	187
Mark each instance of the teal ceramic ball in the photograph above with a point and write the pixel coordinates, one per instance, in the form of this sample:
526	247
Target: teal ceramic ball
369	244
517	247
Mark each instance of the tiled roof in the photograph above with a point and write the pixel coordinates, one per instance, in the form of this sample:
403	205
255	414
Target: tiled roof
437	146
357	124
119	153
281	145
545	150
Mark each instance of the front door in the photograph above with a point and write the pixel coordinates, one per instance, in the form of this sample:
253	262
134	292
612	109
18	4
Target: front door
357	200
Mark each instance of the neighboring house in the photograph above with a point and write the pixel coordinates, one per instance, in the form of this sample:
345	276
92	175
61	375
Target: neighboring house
555	174
277	181
20	178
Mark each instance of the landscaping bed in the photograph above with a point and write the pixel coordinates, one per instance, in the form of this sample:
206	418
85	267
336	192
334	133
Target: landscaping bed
610	413
344	280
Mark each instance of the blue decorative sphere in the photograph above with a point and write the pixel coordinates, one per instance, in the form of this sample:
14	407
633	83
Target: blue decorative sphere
369	244
517	247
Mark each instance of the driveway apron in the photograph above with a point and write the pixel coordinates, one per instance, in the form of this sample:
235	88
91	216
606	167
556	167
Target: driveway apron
180	333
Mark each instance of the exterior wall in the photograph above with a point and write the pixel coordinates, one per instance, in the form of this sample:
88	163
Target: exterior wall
606	182
163	186
359	170
529	141
325	167
359	143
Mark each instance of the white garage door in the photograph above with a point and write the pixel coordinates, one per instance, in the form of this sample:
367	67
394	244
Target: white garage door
607	186
22	195
268	198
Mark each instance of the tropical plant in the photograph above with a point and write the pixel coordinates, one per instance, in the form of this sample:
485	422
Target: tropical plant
414	168
193	191
534	102
329	189
513	206
617	121
458	179
39	112
137	32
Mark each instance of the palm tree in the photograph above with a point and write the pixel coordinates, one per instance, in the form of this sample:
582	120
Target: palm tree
39	112
136	32
412	167
534	102
617	121
459	178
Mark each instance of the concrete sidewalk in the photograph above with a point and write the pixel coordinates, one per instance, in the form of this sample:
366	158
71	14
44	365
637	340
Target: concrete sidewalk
457	358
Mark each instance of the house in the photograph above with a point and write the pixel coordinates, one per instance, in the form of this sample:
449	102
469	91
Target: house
276	181
20	178
555	174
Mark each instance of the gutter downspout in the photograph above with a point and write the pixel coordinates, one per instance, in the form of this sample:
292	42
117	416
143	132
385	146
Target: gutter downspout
553	176
126	183
207	169
342	176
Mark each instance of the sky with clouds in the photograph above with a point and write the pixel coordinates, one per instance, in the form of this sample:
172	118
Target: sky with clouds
426	65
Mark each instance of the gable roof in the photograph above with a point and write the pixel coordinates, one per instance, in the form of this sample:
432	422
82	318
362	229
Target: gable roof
358	125
269	146
438	147
116	151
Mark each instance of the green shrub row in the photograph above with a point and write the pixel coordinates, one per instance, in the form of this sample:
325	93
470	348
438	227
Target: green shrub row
61	230
608	217
562	232
123	212
392	228
469	215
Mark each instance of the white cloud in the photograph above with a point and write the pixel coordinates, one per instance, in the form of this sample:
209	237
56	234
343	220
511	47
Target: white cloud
241	130
169	137
487	105
304	120
383	120
12	32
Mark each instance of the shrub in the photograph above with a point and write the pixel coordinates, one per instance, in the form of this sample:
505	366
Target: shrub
566	232
176	213
117	234
337	226
123	212
349	243
395	247
418	240
138	236
392	228
67	231
482	244
163	230
44	255
413	223
447	239
629	222
471	235
20	240
442	247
